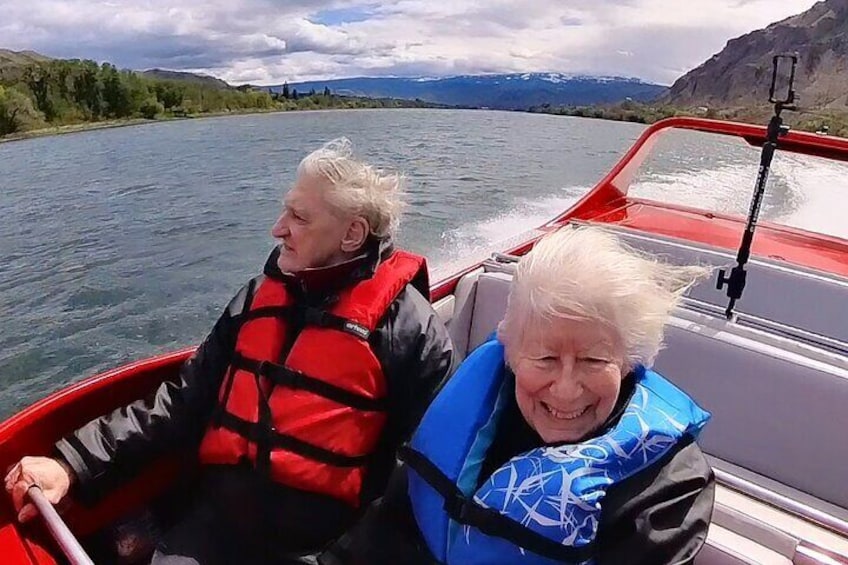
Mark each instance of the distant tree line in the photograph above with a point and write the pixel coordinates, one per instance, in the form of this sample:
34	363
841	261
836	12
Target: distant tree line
627	111
61	92
64	92
832	122
291	94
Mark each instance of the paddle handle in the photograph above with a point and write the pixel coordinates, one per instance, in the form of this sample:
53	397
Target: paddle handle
58	529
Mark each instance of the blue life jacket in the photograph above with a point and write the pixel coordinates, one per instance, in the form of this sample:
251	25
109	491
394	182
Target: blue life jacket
542	506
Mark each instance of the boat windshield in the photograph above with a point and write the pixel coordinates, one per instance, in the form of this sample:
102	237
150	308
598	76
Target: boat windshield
718	173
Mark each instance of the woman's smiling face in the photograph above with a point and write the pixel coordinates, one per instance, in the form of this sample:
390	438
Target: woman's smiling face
568	376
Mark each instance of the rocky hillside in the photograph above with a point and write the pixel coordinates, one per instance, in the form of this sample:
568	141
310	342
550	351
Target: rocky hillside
740	74
12	62
204	80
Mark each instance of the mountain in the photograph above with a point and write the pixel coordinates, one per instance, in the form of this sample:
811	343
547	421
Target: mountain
8	58
500	91
205	80
11	62
740	74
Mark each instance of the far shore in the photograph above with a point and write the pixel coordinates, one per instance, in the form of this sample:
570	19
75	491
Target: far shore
126	122
109	124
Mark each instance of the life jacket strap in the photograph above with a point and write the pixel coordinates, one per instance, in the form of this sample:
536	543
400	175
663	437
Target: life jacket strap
323	319
466	510
266	312
259	434
310	316
282	376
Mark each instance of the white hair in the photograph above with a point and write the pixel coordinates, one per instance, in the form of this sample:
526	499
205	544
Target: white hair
357	188
588	273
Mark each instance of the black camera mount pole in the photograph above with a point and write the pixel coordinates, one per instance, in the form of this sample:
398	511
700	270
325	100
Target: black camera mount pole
736	280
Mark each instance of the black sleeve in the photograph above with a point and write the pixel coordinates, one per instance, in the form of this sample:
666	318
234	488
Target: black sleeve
661	515
417	355
111	448
387	534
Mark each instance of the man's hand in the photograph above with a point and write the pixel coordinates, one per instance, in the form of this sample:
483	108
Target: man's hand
52	476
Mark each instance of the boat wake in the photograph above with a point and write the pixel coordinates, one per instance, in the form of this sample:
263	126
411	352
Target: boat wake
802	192
474	242
822	191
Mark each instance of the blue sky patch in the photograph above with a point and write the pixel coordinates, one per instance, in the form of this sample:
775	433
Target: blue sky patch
344	15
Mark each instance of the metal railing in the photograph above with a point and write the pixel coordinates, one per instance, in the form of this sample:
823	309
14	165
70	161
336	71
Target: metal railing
799	509
68	543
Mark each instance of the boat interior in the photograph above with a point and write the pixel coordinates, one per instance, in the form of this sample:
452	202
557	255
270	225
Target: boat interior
774	377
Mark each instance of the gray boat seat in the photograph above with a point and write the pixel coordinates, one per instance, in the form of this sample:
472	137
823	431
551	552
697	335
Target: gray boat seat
776	291
775	412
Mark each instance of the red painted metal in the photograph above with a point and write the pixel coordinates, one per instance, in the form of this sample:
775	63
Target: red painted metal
34	430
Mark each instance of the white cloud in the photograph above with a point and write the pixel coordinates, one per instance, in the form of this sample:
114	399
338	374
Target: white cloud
268	41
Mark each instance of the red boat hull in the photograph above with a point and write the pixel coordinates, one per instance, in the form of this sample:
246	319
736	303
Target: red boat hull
36	429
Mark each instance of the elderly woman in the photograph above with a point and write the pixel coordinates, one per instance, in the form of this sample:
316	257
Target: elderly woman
315	373
555	442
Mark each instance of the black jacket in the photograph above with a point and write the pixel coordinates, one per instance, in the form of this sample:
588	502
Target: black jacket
658	516
416	355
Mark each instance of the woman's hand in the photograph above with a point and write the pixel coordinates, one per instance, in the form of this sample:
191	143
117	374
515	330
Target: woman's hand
54	477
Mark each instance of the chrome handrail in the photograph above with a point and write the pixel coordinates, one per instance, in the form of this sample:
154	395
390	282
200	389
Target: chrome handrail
762	494
58	529
809	554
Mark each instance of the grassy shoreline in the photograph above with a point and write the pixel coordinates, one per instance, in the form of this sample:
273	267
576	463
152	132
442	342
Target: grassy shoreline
127	122
356	104
73	128
644	115
835	121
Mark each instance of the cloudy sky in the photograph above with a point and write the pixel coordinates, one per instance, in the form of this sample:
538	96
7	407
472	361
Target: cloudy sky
271	41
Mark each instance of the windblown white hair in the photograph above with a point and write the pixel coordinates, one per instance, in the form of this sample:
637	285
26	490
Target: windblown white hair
356	187
589	273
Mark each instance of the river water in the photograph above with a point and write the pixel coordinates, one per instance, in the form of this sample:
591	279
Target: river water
123	243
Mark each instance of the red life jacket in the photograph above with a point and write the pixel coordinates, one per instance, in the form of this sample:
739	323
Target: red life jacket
313	419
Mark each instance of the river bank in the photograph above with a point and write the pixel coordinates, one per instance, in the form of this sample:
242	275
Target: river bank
837	123
73	128
109	124
823	121
305	104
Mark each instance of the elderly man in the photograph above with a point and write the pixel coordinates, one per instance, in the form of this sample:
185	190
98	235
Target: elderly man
297	400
